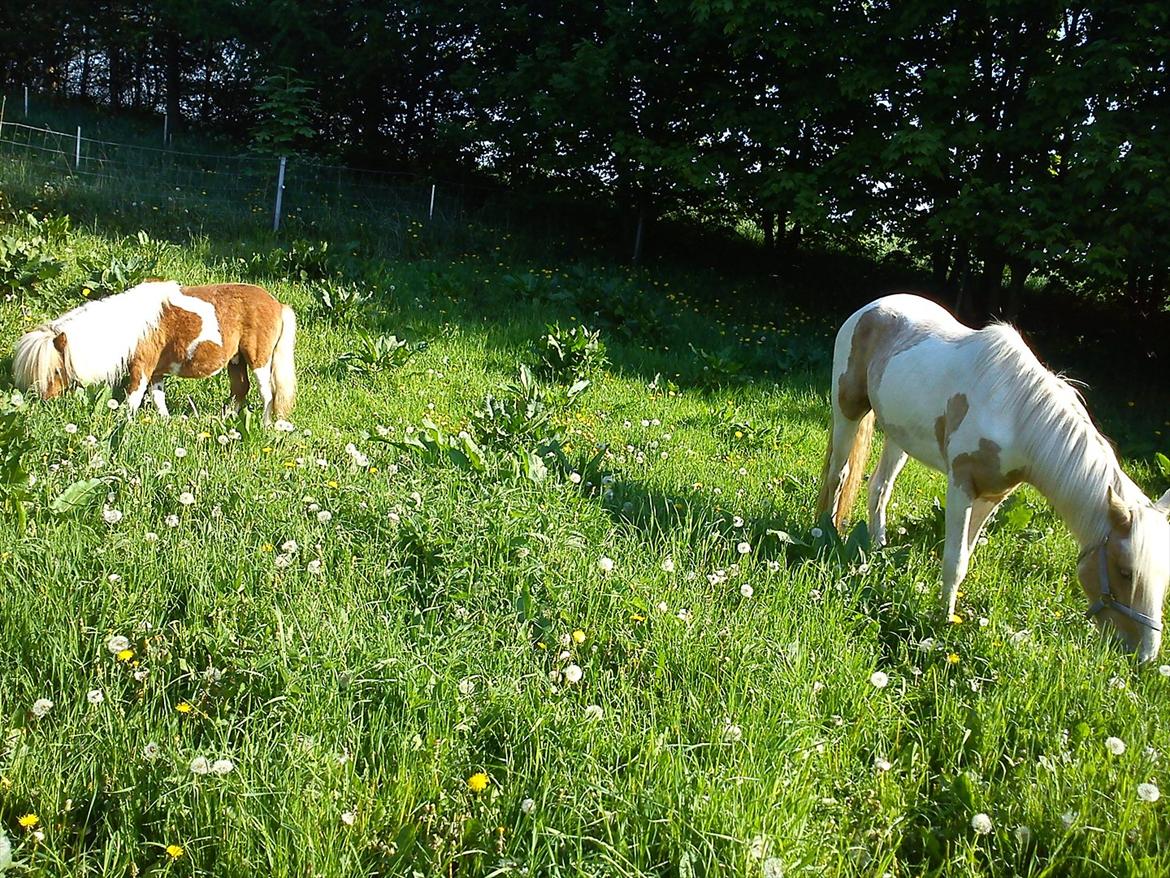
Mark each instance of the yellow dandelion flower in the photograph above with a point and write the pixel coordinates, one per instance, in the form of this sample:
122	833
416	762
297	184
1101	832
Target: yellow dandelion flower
174	851
125	655
332	483
373	469
478	782
267	449
952	658
578	636
28	821
185	707
203	434
267	547
956	619
637	617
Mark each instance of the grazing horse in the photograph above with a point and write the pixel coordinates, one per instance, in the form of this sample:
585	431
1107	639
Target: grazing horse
159	328
978	406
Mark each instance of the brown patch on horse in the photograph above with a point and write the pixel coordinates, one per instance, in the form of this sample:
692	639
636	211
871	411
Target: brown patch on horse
946	423
254	338
981	474
59	343
877	337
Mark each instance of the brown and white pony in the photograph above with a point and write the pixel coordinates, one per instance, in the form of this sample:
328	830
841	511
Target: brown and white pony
159	328
978	406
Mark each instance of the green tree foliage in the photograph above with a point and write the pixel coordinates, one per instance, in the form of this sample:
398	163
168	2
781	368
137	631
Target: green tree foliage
999	141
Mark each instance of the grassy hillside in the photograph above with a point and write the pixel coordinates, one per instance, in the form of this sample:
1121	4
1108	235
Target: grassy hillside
597	636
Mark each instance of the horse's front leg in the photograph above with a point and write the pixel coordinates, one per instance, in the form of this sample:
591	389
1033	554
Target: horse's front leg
136	383
956	552
160	398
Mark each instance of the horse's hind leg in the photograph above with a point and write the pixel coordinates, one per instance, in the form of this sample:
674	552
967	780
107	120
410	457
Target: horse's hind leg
238	376
264	382
881	486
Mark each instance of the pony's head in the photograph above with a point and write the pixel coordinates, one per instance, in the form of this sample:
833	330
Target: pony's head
39	362
1125	577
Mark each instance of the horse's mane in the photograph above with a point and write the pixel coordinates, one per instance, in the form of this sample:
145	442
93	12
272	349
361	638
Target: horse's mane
1067	454
101	336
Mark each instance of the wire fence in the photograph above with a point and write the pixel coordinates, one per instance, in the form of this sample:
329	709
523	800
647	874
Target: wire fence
212	189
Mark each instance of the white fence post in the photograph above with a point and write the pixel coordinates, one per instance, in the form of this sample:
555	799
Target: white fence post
26	101
431	213
279	196
77	151
166	126
3	107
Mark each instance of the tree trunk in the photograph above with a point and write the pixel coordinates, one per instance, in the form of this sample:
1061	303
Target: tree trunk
769	224
781	226
1020	271
638	234
940	261
174	81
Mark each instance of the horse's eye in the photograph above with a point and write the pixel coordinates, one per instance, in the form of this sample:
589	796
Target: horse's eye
1125	573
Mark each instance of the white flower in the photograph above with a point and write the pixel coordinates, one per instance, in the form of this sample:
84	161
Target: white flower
222	439
773	868
594	712
1149	792
528	806
732	733
222	767
1114	745
746	590
882	764
314	566
575	478
667	565
349	818
117	643
981	823
41	707
1164	670
141	674
1068	818
151	751
150	536
289	547
817	533
187	498
759	847
111	516
466	686
200	765
606	564
70	429
171	520
324	516
95	696
180	451
283	426
282	561
744	548
114	578
1023	835
573	674
880	679
112	404
684	615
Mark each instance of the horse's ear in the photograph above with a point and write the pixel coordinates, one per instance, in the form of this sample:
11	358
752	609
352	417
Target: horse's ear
59	343
1120	515
1163	504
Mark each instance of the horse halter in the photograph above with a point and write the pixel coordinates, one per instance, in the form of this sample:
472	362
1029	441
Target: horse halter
1106	600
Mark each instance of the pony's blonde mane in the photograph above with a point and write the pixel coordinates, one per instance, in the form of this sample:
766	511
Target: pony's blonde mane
1069	461
35	359
101	336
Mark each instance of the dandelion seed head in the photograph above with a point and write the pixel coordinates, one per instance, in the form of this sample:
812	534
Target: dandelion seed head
1148	792
981	823
1115	745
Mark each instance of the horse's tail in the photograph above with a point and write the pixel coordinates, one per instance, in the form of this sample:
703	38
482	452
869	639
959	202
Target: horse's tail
837	497
35	359
284	371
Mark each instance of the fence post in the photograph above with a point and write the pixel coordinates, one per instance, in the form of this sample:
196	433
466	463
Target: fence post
431	213
279	196
77	151
166	126
3	107
26	101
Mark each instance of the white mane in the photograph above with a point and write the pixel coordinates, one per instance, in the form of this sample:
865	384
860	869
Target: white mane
1070	462
101	336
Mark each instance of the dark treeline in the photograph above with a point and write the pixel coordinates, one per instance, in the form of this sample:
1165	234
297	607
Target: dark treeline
998	141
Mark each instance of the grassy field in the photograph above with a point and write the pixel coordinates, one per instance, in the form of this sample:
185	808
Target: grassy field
462	619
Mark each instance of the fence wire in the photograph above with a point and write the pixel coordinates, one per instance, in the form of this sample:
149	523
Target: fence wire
212	188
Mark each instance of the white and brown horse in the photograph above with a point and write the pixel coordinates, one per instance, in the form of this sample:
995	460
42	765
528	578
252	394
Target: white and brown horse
159	328
978	406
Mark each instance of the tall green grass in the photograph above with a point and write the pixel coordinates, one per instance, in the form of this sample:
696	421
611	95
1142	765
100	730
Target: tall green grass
751	700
